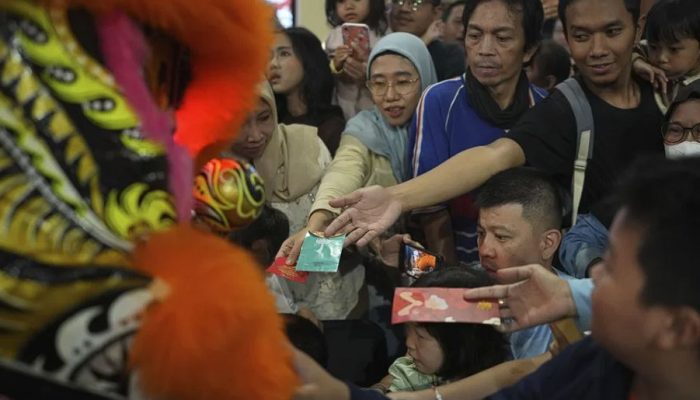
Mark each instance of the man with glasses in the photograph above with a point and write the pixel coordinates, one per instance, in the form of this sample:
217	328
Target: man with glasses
423	18
473	110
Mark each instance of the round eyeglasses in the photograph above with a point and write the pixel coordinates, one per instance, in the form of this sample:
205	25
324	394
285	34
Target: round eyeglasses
414	4
402	86
675	133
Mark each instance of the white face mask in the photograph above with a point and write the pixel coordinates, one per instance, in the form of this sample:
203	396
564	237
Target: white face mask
683	149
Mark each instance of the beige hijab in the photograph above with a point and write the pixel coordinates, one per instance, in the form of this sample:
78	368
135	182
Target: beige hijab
289	165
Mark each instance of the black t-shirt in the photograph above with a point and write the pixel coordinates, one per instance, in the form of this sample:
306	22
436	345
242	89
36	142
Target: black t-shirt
548	136
448	59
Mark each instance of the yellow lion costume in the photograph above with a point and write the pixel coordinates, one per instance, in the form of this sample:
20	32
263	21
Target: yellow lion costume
106	109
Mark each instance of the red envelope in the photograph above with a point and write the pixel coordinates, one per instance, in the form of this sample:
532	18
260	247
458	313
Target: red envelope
441	305
289	272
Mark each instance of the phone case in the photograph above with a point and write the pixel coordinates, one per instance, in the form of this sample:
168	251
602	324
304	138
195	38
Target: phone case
359	34
415	262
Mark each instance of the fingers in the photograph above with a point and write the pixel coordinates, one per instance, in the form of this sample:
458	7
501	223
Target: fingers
341	223
516	274
489	292
367	237
346	201
354	237
285	248
294	252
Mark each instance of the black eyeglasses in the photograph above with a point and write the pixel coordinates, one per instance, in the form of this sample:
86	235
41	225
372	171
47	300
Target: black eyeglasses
675	133
413	3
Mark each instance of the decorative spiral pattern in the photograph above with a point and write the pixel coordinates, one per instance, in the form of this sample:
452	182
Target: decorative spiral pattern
228	194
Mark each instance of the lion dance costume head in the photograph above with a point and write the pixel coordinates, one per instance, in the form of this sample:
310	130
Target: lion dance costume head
106	109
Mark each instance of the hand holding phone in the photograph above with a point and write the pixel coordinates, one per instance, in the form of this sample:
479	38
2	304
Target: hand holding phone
415	262
356	37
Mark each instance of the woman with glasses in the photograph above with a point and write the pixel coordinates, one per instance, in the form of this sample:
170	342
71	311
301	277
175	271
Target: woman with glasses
682	130
373	149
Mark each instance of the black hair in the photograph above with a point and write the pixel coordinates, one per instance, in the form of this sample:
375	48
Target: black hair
450	7
307	337
633	6
669	21
553	59
376	20
534	190
272	225
661	200
531	13
317	84
467	348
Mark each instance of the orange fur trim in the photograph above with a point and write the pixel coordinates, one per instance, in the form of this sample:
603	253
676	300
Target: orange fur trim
229	41
217	334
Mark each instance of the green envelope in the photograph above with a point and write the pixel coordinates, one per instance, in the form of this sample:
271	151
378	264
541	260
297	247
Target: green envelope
320	254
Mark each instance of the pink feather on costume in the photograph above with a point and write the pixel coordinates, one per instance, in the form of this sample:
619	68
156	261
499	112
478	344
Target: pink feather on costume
125	51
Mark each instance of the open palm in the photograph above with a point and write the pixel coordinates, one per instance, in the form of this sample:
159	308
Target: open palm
367	213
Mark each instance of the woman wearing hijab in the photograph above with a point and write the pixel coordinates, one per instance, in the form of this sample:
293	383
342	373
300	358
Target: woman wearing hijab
373	148
291	160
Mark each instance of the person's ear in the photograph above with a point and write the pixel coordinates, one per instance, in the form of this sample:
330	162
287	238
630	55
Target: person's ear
682	329
550	243
529	53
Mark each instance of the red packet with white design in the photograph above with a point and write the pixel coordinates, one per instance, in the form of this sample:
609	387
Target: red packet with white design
289	272
441	305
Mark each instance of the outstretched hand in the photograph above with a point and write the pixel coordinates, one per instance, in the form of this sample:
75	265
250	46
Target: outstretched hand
530	295
291	247
316	383
368	212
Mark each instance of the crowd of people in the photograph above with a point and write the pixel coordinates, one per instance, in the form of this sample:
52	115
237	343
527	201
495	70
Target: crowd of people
533	145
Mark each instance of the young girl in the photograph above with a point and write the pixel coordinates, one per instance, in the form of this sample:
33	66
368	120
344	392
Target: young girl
443	352
351	94
671	56
301	79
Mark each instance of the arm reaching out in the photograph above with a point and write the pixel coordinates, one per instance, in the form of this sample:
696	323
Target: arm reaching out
371	211
531	296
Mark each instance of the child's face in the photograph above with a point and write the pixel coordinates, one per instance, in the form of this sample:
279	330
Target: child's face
676	59
355	11
423	349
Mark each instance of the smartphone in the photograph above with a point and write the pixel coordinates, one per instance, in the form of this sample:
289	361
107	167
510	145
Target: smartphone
415	262
358	34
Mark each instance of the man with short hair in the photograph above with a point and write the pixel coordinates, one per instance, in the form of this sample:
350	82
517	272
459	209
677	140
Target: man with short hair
420	18
646	305
476	108
520	215
645	342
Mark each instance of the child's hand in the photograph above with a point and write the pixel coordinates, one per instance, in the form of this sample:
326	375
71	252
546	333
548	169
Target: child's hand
655	75
341	54
355	70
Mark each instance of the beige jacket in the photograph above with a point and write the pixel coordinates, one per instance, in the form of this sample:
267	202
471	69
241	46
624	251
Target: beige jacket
353	167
